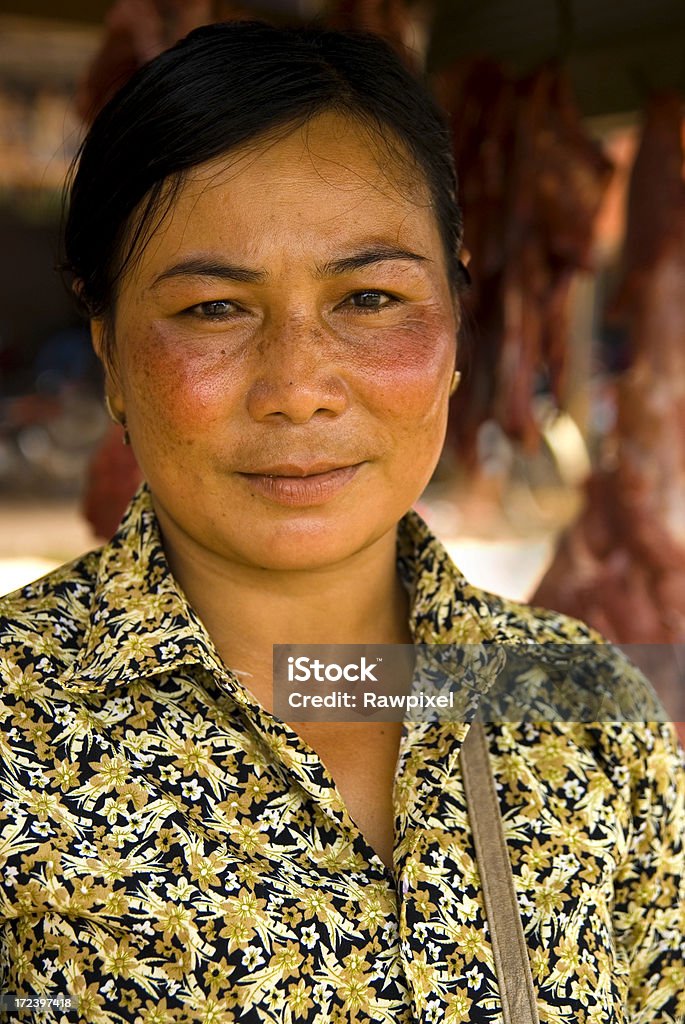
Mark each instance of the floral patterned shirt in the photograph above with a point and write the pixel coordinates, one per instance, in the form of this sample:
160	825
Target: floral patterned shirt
172	852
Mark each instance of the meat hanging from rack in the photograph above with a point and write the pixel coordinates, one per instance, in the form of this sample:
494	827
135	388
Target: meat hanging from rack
406	24
135	31
531	183
621	565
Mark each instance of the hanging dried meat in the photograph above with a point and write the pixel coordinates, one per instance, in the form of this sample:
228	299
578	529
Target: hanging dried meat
405	24
135	32
531	183
621	566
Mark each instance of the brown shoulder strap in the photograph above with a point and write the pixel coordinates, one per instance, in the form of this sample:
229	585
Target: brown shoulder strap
501	905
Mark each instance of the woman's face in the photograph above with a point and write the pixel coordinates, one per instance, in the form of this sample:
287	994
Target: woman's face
283	349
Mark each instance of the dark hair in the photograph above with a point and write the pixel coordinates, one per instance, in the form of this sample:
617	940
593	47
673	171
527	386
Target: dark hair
221	86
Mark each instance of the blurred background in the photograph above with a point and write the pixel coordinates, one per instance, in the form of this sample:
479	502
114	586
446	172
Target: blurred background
563	477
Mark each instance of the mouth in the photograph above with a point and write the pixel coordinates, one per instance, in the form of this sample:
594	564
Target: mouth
291	469
300	485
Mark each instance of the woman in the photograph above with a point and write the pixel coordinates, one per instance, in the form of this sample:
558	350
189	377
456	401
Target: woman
263	228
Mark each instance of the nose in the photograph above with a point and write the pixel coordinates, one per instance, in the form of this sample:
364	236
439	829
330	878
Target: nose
296	374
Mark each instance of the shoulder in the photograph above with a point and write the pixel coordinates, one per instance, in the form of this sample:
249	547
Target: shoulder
579	653
611	701
613	708
45	621
511	621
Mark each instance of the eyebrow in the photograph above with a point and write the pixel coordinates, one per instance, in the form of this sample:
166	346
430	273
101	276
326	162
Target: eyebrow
367	257
204	266
200	266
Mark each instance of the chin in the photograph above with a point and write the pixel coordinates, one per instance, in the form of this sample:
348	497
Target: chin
309	545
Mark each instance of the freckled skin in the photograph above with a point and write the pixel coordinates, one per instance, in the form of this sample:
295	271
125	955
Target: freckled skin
298	372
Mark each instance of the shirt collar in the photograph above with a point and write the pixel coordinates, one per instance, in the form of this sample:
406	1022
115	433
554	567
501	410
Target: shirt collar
444	607
141	624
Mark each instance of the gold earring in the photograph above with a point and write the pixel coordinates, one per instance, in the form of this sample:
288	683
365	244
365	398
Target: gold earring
454	383
120	422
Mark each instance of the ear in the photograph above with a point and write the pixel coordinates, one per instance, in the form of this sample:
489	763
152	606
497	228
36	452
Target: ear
98	335
103	344
100	340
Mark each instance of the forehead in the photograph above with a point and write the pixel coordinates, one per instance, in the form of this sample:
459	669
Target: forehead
312	186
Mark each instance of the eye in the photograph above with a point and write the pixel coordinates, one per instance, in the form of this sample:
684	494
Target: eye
218	309
371	301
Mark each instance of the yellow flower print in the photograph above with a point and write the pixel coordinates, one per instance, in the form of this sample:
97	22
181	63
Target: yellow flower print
316	903
286	960
90	1002
109	772
116	902
165	839
193	758
568	955
422	974
354	990
45	806
78	895
206	870
291	916
218	973
173	919
129	1000
537	857
424	905
242	913
551	895
298	999
248	835
458	1007
144	714
37	734
539	959
65	775
471	942
373	914
155	1013
119	958
25	683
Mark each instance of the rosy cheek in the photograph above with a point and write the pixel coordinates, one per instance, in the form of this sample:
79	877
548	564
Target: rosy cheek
175	382
409	367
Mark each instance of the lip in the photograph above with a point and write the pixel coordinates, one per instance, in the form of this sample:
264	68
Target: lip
299	486
297	469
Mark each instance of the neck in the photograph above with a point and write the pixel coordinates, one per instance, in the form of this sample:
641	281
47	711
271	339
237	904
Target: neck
246	609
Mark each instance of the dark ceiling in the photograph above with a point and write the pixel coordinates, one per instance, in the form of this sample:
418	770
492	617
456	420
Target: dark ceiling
617	50
87	11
